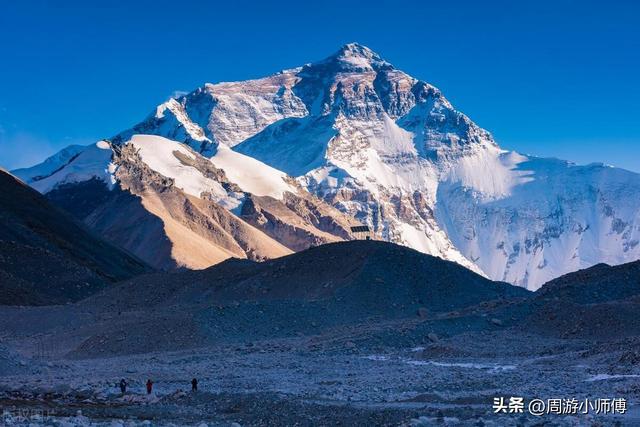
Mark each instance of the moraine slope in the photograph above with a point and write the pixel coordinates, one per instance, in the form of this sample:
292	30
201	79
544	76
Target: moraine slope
46	257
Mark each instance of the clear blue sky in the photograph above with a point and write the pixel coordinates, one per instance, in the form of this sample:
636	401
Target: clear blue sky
557	78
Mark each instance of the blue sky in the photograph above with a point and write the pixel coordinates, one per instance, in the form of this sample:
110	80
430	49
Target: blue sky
556	79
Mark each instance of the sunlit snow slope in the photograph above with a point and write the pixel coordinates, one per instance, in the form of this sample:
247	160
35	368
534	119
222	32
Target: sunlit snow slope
389	150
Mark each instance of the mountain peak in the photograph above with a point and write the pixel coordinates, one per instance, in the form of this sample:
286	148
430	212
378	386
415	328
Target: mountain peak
357	50
356	57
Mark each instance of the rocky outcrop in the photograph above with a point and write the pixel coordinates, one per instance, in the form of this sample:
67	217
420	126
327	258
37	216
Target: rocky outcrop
387	150
298	222
150	215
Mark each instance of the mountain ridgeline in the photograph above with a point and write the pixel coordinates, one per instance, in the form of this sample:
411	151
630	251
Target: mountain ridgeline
47	257
262	168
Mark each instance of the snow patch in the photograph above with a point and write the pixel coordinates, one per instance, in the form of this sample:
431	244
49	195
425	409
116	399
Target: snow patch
487	367
159	154
250	174
602	377
92	162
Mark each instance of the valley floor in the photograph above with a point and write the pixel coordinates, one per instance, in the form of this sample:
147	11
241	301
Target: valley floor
323	380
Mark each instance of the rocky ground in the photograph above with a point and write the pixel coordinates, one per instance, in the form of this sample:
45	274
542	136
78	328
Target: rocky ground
293	342
330	380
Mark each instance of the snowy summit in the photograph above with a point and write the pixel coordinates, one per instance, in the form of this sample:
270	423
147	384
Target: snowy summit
299	155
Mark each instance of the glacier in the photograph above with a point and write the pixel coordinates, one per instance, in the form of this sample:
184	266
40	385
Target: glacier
392	152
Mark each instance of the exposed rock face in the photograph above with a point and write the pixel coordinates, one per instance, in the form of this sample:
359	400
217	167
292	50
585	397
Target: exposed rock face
151	216
165	226
391	151
298	221
235	110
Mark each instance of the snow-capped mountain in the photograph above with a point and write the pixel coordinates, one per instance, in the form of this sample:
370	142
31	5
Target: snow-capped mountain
389	150
172	207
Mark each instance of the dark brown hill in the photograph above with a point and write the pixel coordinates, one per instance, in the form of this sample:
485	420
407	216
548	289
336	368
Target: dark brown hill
47	257
601	302
600	283
367	275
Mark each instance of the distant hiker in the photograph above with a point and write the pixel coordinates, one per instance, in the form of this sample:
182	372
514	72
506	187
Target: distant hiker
149	386
123	386
194	385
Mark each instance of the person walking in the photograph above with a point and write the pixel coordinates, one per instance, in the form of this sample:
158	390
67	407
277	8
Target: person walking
149	386
123	386
194	384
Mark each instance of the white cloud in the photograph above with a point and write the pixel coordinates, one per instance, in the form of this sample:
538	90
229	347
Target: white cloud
178	94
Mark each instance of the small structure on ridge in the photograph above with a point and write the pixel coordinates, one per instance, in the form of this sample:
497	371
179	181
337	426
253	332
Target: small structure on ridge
361	231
